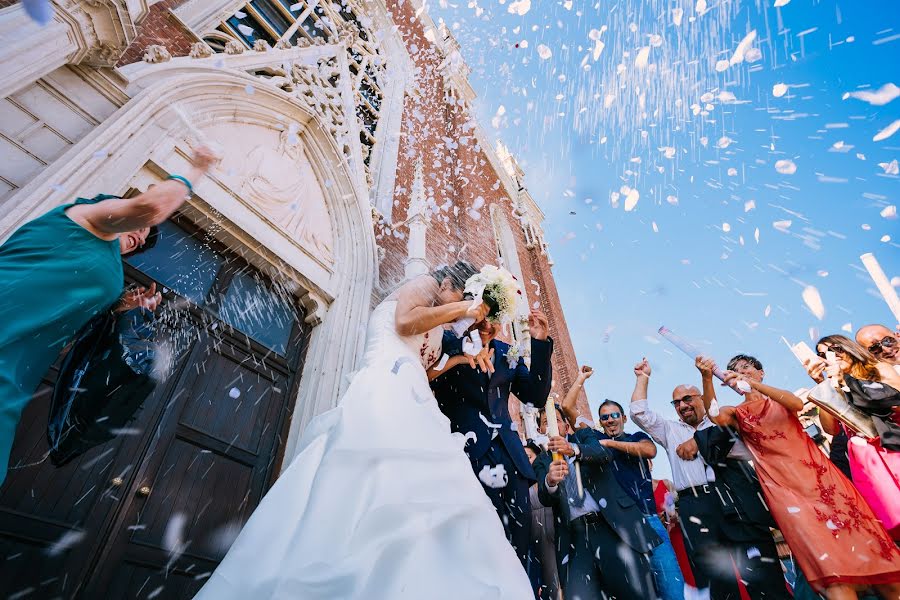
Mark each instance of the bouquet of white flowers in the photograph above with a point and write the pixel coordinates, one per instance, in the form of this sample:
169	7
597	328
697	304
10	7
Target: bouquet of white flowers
497	288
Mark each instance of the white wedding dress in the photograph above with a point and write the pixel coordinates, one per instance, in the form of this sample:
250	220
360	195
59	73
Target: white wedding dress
379	503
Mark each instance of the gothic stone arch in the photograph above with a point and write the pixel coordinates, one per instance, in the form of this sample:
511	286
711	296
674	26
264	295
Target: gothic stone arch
332	260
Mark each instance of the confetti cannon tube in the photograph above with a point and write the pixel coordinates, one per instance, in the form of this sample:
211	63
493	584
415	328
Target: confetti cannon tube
693	352
881	281
553	430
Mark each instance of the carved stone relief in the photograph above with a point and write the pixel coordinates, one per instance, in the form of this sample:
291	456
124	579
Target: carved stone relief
269	170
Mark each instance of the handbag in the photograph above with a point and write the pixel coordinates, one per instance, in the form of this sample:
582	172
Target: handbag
104	380
875	472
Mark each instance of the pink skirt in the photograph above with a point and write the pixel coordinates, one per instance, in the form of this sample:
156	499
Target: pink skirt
876	474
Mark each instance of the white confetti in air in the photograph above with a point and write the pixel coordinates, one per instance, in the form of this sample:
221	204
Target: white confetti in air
768	310
756	235
631	198
643	58
248	31
68	540
695	520
753	55
602	502
297	7
887	131
668	151
732	172
741	52
40	11
889	212
793	510
249	90
173	540
724	142
779	90
101	154
700	7
848	327
726	227
442	363
544	52
814	301
753	552
787	166
782	225
234	393
830	525
781	3
749	205
673	200
495	477
891	168
883	95
677	15
240	14
519	7
722	65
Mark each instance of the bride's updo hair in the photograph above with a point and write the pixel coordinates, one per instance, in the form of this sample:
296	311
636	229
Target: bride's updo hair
458	273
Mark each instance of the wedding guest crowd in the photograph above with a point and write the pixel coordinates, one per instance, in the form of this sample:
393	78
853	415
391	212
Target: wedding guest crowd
739	474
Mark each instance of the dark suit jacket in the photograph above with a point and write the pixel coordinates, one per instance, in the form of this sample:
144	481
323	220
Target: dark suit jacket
619	509
745	516
469	397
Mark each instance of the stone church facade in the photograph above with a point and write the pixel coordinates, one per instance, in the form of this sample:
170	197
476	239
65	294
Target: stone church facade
351	161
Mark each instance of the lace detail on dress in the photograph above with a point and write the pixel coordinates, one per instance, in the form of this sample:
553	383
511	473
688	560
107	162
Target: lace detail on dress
430	349
845	514
752	430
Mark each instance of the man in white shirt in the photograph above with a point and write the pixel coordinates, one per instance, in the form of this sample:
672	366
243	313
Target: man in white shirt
698	501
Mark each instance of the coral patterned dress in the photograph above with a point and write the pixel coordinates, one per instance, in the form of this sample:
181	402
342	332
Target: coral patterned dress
830	529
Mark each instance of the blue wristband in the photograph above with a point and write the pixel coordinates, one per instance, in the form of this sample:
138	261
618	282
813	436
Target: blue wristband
182	180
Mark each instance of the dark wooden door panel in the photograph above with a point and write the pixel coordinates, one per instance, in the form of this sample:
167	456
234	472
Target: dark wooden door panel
205	474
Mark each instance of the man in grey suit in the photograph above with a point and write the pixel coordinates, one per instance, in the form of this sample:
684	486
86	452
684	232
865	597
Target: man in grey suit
602	540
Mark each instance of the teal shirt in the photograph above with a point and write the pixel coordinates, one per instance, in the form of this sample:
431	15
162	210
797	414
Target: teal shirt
54	277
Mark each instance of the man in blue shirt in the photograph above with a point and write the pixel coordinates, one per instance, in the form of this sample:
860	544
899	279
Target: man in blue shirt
631	454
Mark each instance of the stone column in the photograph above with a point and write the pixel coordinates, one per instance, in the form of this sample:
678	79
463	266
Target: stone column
30	51
417	221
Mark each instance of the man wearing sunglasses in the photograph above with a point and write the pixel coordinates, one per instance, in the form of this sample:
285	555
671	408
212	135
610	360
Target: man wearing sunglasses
631	454
690	474
880	341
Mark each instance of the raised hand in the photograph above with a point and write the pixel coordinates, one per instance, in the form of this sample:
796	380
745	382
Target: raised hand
705	366
816	369
642	369
538	325
204	158
140	297
585	373
559	470
485	360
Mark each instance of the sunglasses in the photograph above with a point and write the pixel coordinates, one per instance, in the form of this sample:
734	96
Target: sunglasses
887	341
834	349
686	400
613	415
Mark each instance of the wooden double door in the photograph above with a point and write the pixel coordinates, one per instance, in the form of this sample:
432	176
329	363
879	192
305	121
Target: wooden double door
151	513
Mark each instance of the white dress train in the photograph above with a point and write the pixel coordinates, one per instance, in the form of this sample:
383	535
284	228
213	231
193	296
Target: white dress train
379	503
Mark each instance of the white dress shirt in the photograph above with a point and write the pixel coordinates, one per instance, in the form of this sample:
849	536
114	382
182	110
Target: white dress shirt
670	435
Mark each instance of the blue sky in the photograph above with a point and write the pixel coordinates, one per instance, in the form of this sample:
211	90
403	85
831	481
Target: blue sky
620	279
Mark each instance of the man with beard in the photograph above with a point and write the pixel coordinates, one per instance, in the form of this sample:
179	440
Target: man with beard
698	502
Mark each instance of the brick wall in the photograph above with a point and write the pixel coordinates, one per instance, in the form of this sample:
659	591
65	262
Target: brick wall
458	176
160	27
457	170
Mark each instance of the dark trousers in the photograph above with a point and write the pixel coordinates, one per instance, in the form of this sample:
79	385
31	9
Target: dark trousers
601	566
511	501
715	554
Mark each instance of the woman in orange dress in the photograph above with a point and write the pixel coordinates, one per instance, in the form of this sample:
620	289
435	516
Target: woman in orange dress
838	543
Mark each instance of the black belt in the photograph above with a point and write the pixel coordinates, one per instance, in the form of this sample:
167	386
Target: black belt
591	517
696	490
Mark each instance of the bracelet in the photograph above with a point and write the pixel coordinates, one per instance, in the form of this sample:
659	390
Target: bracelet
182	180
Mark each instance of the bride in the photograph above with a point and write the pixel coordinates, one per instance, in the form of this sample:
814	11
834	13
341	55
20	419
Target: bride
380	501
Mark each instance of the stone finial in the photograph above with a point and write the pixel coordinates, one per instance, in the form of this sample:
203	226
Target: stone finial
234	47
283	45
304	43
155	53
200	50
261	46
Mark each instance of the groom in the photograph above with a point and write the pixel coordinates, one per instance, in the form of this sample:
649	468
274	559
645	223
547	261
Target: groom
476	401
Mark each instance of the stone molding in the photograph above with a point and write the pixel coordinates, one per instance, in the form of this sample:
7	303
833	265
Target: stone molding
146	131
